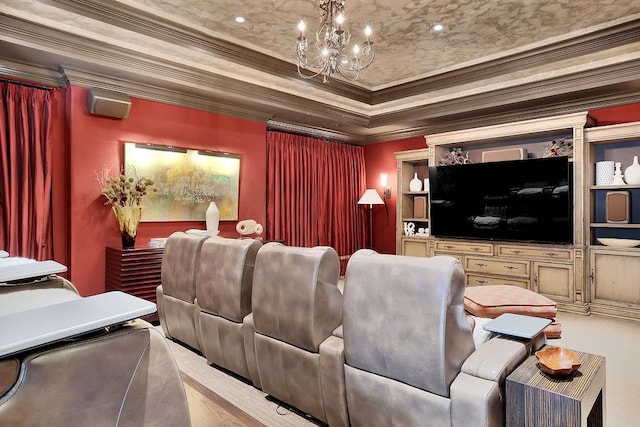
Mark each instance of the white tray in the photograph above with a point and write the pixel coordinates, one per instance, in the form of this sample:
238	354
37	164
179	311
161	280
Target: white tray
517	325
44	325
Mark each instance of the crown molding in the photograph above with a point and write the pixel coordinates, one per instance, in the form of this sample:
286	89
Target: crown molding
34	73
145	23
581	45
616	78
119	64
60	58
319	133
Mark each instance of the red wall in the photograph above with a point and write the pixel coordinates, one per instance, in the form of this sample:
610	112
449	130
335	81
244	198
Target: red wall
96	142
614	115
83	225
380	158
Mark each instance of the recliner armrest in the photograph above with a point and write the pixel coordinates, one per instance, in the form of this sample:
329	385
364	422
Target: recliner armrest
495	359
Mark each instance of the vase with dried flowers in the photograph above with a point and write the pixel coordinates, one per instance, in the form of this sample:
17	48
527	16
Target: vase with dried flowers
124	193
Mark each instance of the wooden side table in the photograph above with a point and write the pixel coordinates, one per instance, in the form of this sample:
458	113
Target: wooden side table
134	271
534	399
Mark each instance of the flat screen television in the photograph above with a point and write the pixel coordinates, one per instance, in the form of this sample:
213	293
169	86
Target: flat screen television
527	200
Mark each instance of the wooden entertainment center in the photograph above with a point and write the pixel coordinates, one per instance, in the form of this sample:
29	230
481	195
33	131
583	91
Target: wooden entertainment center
583	277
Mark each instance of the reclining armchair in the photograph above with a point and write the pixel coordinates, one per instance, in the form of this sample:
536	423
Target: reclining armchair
410	358
296	307
223	299
177	292
117	373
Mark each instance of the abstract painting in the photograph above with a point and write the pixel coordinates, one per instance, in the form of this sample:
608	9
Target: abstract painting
185	181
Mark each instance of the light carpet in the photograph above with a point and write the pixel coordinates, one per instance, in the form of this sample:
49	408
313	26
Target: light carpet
240	394
618	340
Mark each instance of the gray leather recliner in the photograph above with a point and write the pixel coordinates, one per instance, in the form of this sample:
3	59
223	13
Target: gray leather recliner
177	292
223	299
410	359
122	375
296	307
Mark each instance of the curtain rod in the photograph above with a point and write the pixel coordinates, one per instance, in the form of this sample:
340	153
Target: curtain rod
33	85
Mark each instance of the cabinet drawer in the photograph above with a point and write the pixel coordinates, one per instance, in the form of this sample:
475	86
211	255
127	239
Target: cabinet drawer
501	267
477	280
466	248
529	252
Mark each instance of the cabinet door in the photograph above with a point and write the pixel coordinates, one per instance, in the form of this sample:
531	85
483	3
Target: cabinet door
614	277
554	280
415	247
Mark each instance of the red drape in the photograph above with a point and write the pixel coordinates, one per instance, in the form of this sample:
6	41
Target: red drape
25	171
313	187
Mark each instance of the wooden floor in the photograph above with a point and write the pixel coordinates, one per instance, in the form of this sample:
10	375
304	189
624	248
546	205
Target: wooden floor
209	409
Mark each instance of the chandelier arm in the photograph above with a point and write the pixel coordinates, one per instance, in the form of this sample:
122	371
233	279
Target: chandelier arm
311	76
354	77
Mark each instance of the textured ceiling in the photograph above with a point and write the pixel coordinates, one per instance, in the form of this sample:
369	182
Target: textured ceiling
406	46
496	60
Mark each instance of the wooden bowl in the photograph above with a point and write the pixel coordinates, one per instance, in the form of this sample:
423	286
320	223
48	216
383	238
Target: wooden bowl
558	361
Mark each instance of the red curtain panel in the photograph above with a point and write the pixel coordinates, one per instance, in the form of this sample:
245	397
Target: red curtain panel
313	187
25	171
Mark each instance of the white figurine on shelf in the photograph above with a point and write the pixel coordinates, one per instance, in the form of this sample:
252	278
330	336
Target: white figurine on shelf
409	229
249	226
617	175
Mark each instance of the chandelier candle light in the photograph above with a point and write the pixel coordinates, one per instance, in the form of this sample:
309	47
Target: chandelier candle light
332	44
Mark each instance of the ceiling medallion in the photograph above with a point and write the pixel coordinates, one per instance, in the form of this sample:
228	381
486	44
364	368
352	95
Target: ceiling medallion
331	51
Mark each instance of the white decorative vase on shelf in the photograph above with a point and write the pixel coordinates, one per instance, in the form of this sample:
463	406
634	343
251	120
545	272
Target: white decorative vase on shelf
604	172
415	184
617	175
632	173
212	217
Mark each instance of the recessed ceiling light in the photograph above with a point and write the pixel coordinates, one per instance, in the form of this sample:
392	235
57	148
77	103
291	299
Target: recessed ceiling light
240	19
438	27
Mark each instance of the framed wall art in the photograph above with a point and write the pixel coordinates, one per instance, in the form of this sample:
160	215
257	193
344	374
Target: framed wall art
186	181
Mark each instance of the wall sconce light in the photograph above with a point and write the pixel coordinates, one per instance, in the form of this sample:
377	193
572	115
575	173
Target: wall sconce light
386	188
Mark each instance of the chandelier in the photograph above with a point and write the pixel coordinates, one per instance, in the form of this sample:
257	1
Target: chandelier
333	53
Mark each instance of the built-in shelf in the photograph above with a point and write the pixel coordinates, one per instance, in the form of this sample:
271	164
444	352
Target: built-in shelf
416	219
415	193
610	267
613	225
613	187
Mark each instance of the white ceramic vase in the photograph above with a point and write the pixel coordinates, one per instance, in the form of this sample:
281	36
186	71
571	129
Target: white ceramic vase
632	173
212	217
415	184
604	172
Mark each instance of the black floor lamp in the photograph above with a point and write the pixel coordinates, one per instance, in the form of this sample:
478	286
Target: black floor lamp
370	197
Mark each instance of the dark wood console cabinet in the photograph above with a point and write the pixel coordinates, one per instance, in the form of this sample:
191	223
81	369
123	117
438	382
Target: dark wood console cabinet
134	271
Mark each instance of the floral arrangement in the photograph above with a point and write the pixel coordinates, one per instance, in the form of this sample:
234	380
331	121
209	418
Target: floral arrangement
127	189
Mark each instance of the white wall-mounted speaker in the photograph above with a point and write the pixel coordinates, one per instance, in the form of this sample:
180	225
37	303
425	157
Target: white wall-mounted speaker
108	103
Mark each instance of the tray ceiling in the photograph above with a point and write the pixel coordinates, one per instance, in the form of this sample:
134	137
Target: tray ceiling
494	61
